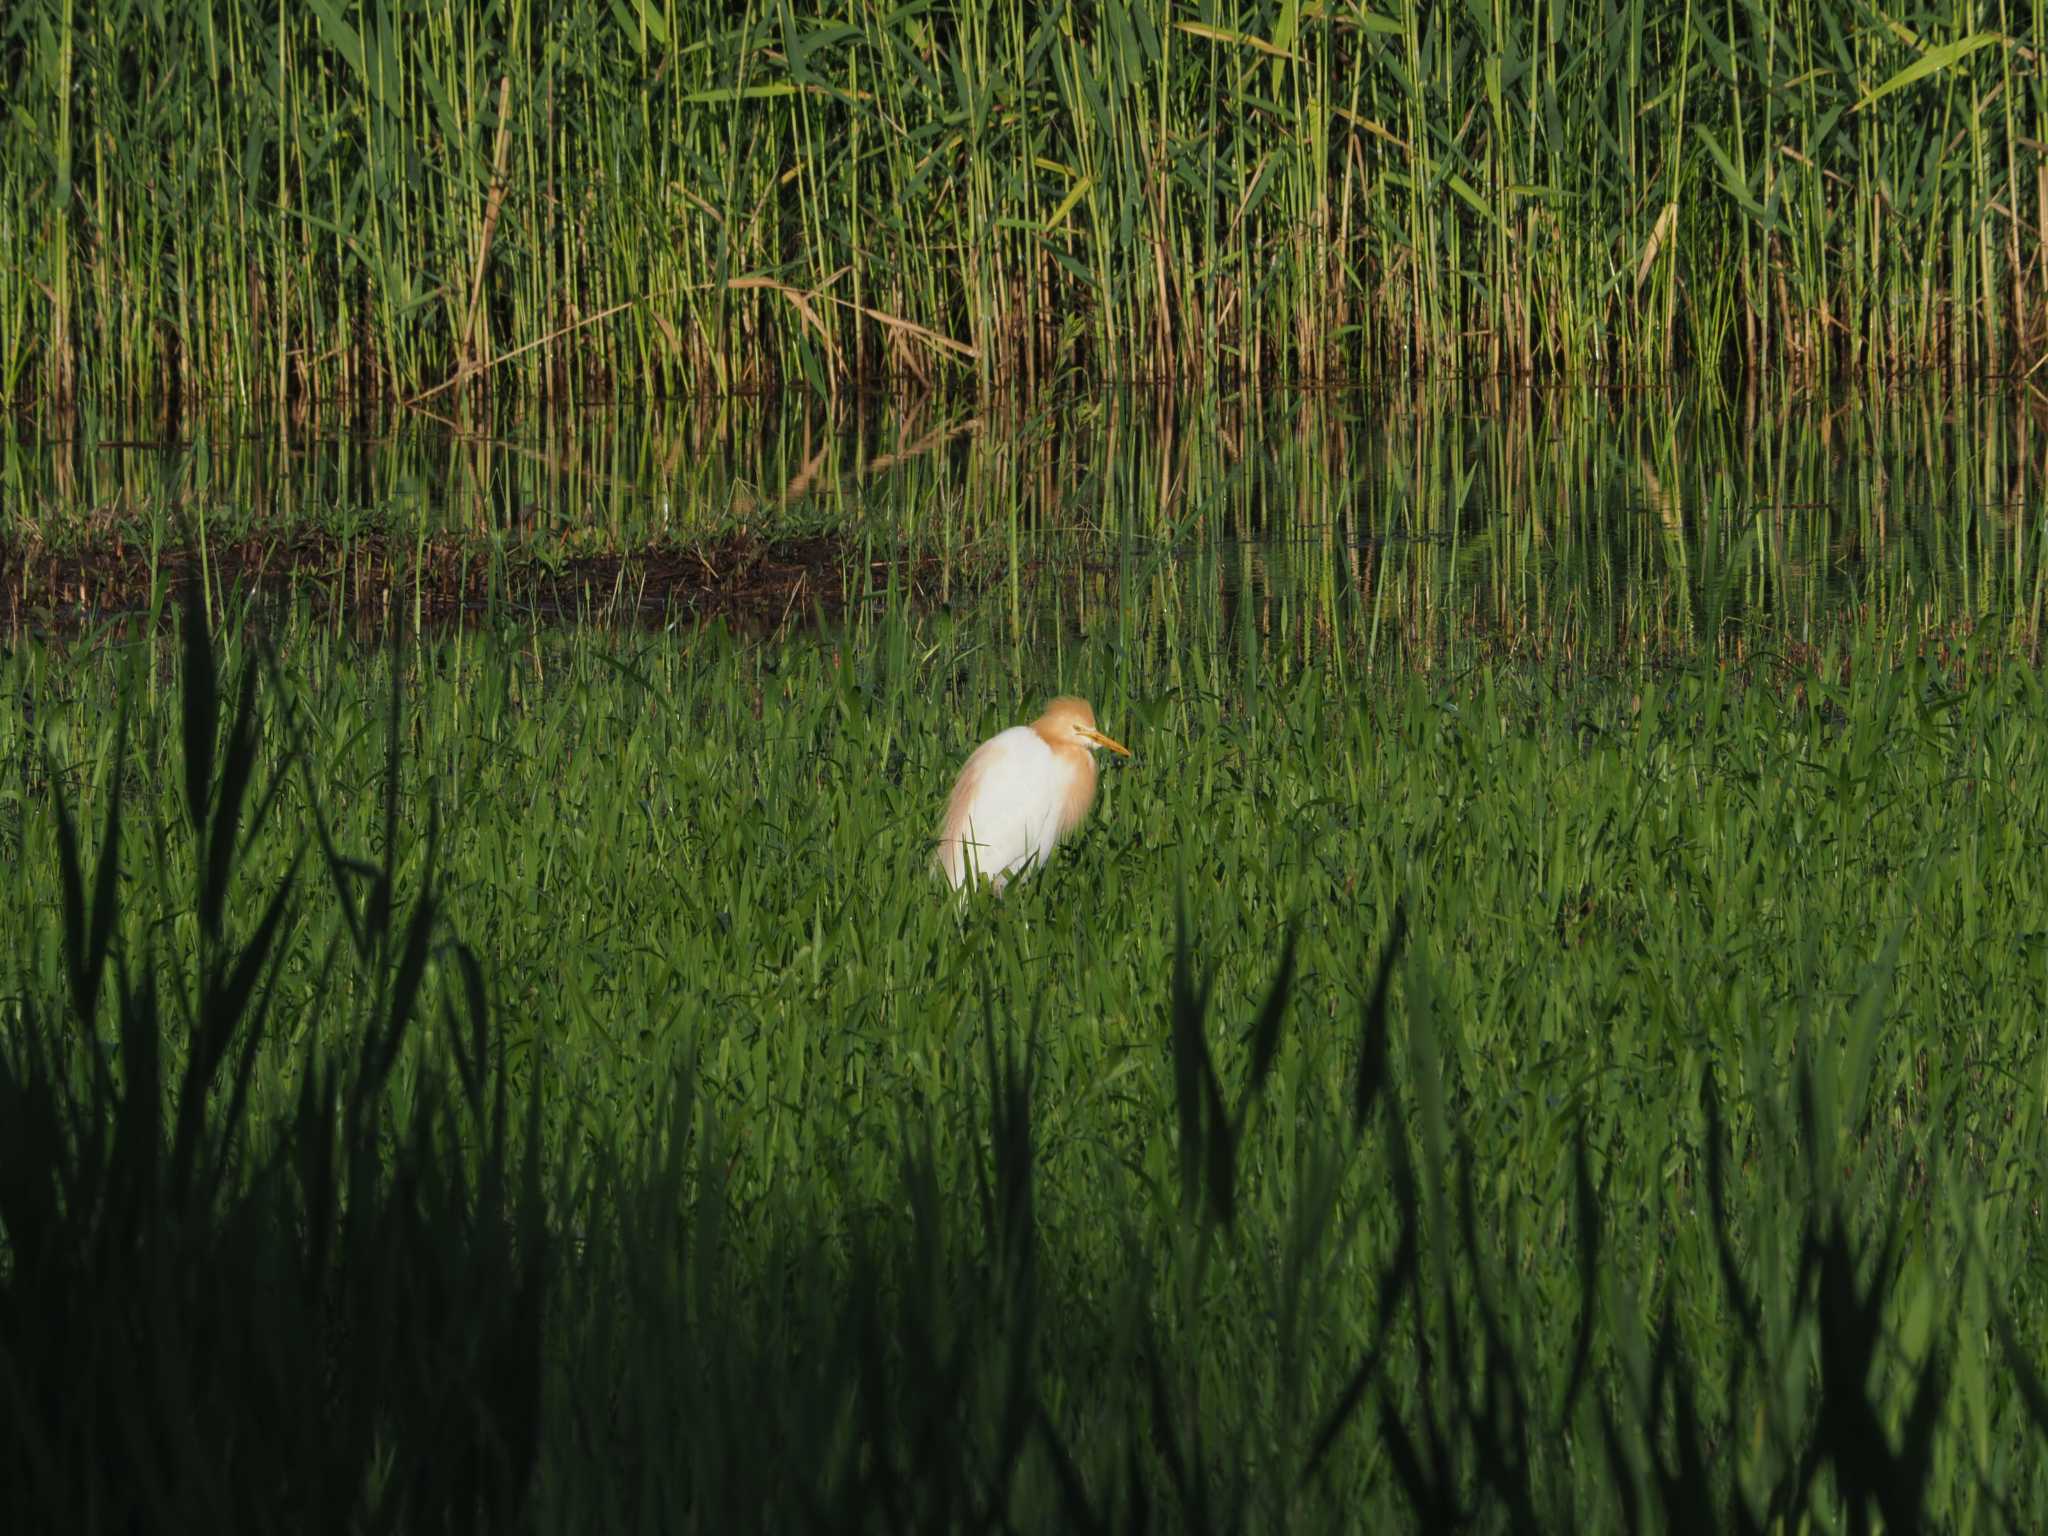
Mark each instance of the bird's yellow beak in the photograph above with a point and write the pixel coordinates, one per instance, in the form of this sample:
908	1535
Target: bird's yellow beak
1104	741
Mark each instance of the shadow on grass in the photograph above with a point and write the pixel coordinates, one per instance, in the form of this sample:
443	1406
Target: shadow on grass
334	1323
353	1315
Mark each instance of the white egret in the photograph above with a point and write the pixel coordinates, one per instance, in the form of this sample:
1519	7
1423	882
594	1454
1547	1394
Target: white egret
1021	793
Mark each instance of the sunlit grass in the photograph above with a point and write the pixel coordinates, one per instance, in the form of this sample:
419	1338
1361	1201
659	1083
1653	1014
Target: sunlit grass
1697	1121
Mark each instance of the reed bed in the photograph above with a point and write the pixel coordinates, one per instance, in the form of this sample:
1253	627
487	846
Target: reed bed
415	201
531	1081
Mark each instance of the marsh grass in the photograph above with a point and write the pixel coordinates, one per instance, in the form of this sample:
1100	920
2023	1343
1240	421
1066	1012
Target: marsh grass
1523	1098
411	201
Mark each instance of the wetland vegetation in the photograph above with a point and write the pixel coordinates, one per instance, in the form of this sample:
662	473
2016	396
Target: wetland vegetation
1546	1027
1544	1032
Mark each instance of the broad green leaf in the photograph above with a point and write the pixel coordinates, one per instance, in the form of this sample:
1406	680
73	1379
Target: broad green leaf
1932	62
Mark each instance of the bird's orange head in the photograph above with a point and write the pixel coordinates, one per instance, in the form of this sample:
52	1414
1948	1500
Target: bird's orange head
1069	722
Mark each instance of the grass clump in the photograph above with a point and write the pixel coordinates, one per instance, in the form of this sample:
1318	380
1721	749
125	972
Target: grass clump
328	1316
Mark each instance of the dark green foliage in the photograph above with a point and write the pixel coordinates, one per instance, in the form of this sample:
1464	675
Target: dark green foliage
331	1321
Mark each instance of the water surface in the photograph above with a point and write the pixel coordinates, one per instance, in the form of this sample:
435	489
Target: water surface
1531	523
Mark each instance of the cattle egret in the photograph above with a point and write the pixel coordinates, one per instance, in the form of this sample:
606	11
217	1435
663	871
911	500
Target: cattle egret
1021	793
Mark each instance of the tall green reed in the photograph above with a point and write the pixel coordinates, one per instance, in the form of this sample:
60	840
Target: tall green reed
407	201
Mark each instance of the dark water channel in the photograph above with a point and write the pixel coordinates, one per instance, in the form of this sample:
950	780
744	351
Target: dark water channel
1539	522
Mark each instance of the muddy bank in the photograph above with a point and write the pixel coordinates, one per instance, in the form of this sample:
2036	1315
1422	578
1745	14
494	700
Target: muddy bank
757	585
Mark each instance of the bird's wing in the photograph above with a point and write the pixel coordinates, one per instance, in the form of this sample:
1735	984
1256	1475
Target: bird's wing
1002	808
